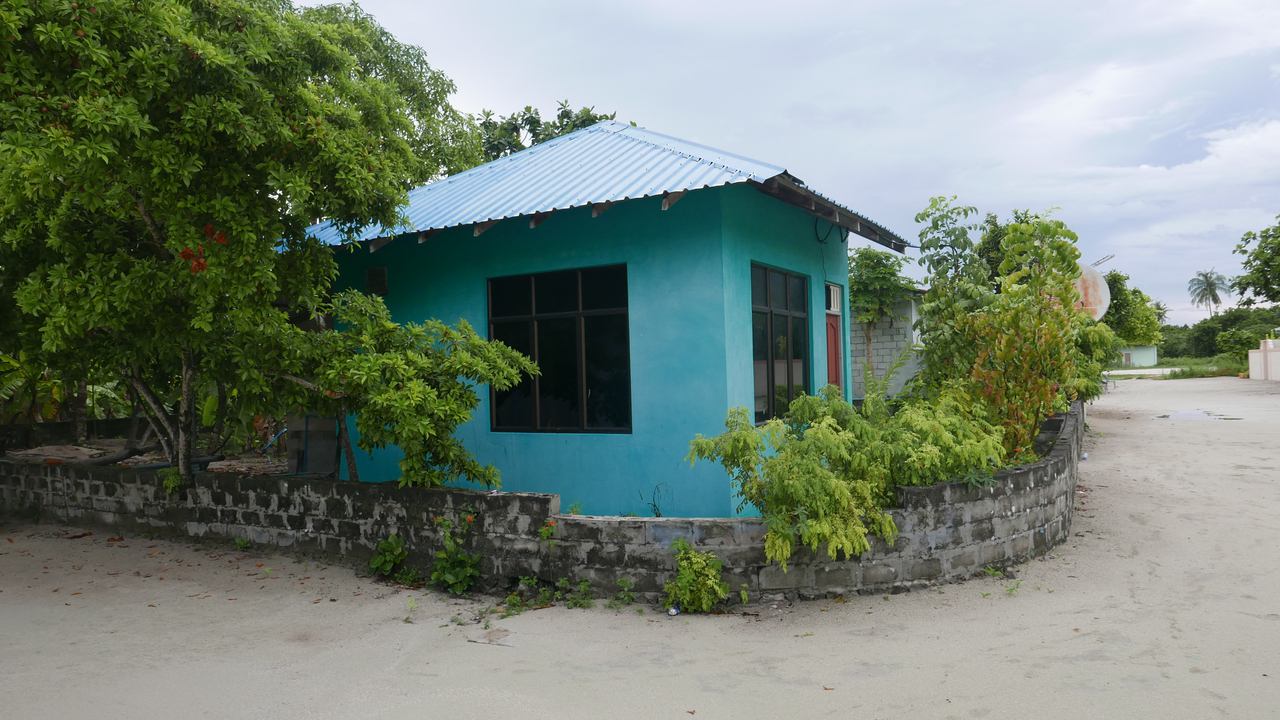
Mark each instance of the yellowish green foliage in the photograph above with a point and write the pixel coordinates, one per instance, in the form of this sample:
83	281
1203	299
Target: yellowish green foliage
823	474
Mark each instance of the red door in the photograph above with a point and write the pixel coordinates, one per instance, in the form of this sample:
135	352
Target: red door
835	356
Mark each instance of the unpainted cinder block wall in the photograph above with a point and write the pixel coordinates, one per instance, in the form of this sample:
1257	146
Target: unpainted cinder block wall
890	340
946	532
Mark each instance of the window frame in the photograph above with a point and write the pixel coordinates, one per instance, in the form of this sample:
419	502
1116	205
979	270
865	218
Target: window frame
769	311
580	352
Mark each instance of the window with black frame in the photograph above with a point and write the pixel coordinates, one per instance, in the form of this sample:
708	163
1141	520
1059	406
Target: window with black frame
779	338
573	324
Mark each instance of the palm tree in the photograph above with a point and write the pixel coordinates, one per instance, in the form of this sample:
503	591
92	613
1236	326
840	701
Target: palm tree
1207	289
1162	311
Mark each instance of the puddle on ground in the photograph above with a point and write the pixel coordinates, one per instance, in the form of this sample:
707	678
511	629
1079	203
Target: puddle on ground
1194	416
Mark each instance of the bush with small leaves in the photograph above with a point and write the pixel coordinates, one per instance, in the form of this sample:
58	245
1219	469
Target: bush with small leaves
697	586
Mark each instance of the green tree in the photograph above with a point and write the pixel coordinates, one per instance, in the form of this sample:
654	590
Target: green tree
502	135
163	160
1161	311
408	384
876	287
1207	289
989	247
957	285
1131	313
1261	279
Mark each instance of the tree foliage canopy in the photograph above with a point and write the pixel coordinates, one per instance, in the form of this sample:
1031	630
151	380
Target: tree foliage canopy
163	161
876	287
1207	288
410	384
1260	281
1131	314
502	135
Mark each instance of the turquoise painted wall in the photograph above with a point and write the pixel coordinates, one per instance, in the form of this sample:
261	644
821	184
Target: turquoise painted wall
689	298
759	229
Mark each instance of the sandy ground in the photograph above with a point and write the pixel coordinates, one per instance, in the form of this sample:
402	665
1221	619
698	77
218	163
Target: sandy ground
1165	604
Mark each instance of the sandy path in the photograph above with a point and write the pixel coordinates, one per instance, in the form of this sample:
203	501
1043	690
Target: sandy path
1166	604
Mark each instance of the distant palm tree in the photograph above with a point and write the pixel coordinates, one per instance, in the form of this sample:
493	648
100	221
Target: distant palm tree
1162	311
1207	289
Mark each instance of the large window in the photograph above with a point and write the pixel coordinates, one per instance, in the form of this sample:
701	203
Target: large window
573	323
779	338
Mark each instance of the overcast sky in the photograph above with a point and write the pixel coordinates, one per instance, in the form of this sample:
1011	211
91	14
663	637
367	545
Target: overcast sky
1154	127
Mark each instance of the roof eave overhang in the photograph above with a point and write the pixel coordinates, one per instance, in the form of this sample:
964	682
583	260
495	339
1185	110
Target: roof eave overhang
793	192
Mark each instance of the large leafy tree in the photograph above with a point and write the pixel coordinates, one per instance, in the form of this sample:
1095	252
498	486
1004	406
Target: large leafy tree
1131	314
163	160
502	135
1260	281
876	288
408	385
1207	288
1023	351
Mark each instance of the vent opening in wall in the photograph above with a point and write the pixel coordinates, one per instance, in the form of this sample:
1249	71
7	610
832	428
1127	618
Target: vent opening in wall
375	281
833	299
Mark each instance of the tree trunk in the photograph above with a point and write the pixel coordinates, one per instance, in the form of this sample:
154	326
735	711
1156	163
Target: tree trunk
186	418
217	442
157	417
344	440
79	419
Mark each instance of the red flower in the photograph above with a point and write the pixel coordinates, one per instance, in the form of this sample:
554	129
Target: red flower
470	519
208	229
187	254
551	523
199	265
220	238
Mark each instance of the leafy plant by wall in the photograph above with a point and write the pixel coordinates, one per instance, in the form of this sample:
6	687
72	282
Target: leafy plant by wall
697	586
823	474
455	569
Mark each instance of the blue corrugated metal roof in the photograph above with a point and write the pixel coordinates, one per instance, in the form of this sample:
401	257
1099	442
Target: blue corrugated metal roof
607	162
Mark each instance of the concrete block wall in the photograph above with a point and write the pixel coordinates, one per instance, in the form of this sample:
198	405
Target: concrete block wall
889	340
946	532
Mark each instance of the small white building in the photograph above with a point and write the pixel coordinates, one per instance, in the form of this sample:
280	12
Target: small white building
1138	356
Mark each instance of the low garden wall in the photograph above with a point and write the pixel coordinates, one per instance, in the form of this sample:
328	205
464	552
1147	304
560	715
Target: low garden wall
946	532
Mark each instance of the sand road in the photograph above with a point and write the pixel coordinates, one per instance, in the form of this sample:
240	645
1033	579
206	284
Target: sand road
1164	604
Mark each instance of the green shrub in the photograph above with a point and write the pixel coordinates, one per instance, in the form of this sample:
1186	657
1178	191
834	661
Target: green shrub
575	595
823	473
455	569
625	595
171	478
388	555
697	586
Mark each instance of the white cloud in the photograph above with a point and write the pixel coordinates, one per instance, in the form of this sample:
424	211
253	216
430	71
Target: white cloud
1150	124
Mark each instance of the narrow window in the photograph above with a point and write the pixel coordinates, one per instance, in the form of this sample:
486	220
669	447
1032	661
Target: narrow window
573	324
779	338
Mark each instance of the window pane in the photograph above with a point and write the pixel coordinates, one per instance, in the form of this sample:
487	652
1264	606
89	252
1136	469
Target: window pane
509	296
556	292
514	408
780	363
760	362
558	384
777	289
759	291
608	372
604	288
799	356
797	293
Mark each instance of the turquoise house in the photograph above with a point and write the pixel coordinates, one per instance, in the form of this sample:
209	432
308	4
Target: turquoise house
656	282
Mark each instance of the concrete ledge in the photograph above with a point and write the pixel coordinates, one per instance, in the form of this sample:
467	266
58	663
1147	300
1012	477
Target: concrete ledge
946	532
